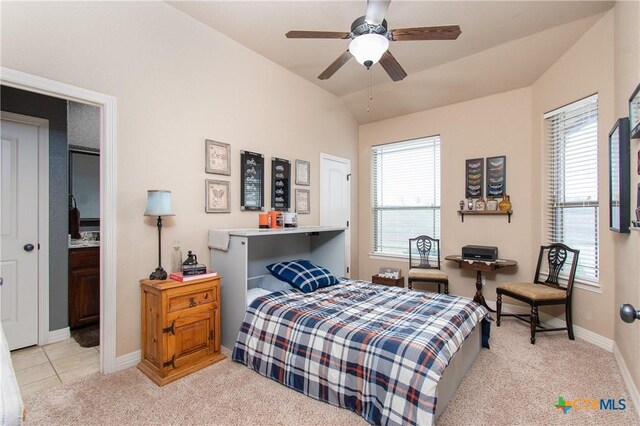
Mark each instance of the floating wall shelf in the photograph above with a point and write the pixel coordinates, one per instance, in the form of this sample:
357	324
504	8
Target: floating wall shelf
462	213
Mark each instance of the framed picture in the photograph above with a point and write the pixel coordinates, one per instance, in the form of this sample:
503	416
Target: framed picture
638	162
474	178
619	177
496	176
634	113
217	157
251	181
280	184
636	222
217	196
303	172
302	201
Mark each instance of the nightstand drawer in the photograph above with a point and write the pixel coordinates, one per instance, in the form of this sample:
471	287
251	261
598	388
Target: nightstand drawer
189	300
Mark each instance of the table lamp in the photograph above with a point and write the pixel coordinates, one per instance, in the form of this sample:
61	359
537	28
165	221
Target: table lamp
159	204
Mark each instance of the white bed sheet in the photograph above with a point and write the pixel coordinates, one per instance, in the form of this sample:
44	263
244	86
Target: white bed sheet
11	407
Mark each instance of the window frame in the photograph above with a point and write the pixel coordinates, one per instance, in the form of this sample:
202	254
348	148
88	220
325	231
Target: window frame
550	203
386	255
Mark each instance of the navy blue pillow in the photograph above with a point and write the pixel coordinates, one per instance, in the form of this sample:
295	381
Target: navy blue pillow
303	275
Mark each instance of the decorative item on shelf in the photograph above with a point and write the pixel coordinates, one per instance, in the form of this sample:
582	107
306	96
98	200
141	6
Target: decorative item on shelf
191	259
505	204
290	220
159	204
176	257
462	203
277	219
470	204
264	220
492	204
480	204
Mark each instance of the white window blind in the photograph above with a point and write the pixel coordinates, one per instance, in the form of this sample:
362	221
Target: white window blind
405	188
572	202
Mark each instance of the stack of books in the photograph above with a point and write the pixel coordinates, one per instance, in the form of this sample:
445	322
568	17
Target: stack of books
192	272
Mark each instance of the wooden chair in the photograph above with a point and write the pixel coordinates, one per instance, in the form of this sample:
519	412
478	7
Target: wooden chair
542	293
420	269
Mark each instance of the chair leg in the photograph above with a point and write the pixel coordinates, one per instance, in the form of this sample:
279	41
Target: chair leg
410	284
569	321
446	287
534	321
498	308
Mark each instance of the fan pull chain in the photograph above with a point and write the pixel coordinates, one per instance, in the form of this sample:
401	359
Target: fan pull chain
370	95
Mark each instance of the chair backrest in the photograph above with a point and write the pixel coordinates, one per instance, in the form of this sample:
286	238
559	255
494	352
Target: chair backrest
556	256
423	246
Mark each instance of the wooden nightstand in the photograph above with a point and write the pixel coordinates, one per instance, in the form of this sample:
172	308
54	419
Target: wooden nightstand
180	330
397	282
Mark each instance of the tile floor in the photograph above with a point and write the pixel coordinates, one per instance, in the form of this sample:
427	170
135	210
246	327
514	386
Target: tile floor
42	367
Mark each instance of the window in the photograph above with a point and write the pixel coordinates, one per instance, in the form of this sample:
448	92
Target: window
572	203
405	188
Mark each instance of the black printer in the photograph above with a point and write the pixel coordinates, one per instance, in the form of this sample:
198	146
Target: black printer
482	253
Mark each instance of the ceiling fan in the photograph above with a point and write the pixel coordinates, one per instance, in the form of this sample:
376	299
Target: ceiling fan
370	38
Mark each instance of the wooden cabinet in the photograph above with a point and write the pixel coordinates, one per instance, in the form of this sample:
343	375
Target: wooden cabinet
84	286
180	330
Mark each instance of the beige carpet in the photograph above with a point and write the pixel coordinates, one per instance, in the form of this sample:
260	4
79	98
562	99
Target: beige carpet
514	383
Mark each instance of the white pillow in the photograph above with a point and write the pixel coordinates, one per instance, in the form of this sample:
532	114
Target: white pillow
272	283
254	293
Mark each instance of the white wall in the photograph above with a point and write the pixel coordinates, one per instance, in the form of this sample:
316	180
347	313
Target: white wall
177	83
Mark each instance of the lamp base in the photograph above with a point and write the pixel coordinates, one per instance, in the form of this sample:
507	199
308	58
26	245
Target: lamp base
158	274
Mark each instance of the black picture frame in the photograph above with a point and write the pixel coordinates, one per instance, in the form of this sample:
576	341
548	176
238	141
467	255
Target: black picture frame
634	114
496	176
251	181
280	184
474	178
619	177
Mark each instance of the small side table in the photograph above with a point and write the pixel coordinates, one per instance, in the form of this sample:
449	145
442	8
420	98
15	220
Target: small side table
481	266
393	282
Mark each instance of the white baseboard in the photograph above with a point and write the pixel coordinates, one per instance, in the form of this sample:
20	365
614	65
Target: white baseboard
554	322
59	335
128	360
626	376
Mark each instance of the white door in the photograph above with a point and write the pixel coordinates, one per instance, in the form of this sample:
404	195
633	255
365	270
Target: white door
19	233
335	198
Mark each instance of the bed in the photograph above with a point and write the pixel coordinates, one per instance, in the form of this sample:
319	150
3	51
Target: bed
391	355
11	408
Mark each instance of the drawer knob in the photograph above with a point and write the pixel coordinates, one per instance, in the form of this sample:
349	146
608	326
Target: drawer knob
192	302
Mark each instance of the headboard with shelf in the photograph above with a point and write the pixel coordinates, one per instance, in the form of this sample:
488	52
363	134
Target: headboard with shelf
251	250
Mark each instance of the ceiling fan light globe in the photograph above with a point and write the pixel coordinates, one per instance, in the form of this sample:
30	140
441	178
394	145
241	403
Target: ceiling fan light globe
368	48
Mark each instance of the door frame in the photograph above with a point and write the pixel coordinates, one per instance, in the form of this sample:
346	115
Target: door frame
43	217
107	105
323	218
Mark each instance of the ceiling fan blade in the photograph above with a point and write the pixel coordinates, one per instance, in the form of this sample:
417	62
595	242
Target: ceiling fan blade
376	9
335	66
392	67
445	32
317	34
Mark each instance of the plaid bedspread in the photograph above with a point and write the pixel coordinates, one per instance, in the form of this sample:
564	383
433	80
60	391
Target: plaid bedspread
379	351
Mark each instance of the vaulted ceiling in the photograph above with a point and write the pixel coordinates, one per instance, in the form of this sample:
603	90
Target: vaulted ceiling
503	46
